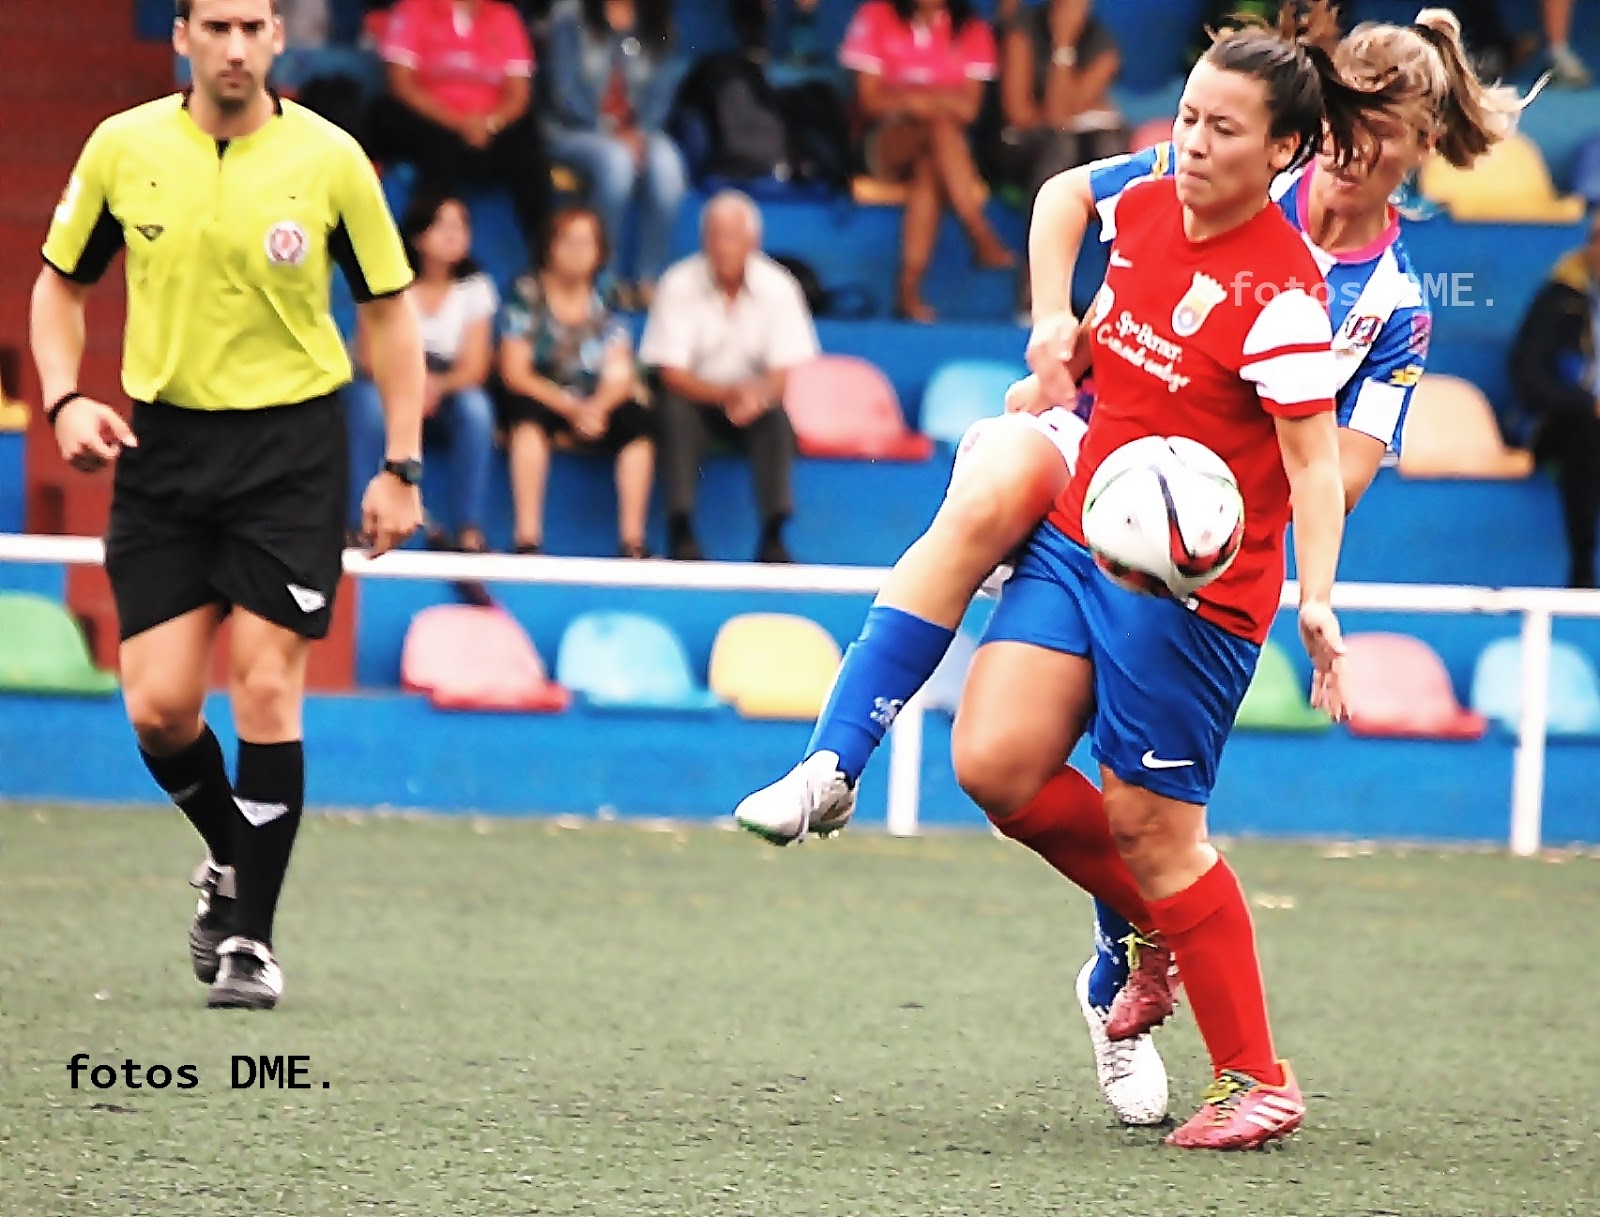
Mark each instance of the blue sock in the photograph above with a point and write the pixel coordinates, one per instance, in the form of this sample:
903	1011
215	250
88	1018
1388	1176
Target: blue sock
893	658
1110	956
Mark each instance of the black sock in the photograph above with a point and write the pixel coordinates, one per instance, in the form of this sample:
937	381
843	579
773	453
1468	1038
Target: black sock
270	793
196	779
772	530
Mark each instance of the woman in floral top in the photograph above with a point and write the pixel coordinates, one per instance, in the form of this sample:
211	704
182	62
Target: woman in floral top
570	379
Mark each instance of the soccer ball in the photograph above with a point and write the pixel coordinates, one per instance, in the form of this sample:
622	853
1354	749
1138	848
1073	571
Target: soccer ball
1163	516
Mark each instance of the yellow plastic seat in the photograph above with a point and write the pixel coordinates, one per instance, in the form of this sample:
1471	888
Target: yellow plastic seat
1509	185
869	191
774	665
1450	432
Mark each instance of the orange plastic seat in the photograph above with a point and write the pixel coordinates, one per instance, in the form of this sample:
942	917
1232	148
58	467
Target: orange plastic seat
1511	184
464	657
774	665
844	407
1451	432
1397	686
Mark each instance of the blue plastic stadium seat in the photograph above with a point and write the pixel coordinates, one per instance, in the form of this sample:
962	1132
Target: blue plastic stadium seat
1586	172
1574	698
963	391
628	660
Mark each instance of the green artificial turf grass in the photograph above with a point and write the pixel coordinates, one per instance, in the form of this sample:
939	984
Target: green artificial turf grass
513	1017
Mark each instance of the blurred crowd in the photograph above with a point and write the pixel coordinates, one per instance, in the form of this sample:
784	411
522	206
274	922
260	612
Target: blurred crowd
925	100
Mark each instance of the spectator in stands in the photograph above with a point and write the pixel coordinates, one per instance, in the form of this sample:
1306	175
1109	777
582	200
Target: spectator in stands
920	68
1555	365
456	304
726	326
1565	65
569	375
459	102
1056	67
613	75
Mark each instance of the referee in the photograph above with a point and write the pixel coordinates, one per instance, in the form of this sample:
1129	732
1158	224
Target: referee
230	481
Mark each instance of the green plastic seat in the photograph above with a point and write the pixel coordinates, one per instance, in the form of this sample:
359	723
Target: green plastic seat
1276	700
42	650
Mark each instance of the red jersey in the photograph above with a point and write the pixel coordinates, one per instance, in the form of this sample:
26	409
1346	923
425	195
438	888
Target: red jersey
879	43
459	63
1209	340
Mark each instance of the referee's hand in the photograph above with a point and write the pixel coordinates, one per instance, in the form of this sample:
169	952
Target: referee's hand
91	434
390	512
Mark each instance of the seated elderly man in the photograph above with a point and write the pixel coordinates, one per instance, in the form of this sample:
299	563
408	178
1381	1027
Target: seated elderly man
726	326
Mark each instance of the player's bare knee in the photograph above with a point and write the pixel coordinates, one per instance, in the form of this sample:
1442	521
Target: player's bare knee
163	722
992	779
266	696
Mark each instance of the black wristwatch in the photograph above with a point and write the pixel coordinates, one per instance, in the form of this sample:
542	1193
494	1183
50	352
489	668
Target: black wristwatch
408	471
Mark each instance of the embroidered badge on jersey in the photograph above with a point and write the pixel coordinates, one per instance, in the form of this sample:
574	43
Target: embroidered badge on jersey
287	243
1204	294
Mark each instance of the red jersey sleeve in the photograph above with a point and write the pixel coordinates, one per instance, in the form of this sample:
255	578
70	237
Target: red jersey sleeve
1288	355
975	47
862	48
402	37
512	40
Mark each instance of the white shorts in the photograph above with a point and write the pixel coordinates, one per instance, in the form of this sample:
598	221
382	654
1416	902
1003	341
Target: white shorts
1058	424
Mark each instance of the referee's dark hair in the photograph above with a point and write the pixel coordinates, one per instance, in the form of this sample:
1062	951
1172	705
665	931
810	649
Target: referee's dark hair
185	7
422	209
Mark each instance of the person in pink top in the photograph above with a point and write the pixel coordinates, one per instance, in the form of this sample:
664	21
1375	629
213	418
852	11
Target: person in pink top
920	68
459	102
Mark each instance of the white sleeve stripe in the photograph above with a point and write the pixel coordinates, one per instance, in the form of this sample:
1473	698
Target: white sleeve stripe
860	61
404	59
1377	411
1107	207
1292	317
1292	379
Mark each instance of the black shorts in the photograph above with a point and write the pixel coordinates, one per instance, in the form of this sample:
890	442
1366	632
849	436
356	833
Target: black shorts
233	507
630	421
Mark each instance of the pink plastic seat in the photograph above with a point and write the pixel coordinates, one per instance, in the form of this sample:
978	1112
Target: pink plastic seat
844	407
1149	133
464	657
1397	686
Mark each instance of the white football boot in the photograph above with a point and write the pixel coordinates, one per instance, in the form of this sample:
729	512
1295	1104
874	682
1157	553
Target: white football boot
812	799
1132	1075
249	977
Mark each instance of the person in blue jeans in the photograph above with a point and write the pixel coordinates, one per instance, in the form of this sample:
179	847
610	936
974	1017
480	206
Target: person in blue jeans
612	77
456	304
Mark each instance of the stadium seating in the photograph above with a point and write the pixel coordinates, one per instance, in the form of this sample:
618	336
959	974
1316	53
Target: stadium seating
1586	172
1397	686
1276	699
963	391
1574	696
42	650
1151	132
618	660
1450	431
774	665
468	657
1510	185
843	406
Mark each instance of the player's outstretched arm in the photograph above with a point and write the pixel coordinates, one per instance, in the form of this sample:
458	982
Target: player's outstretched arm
1061	215
1310	447
90	433
391	510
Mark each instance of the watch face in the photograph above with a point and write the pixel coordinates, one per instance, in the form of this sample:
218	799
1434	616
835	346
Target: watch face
409	472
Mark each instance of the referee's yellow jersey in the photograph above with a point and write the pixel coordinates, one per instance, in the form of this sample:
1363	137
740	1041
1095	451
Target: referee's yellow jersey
230	246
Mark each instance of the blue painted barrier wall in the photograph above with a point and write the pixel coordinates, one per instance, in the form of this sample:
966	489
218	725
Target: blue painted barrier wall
390	750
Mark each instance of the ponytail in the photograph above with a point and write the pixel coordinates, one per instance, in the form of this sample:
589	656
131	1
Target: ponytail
1306	94
1473	116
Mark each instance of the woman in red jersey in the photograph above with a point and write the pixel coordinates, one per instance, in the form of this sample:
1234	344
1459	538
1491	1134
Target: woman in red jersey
1208	326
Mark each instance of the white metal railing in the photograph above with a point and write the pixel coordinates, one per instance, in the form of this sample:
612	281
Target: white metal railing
1537	607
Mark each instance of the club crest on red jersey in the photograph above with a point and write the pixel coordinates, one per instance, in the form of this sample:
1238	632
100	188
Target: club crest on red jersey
1204	294
286	243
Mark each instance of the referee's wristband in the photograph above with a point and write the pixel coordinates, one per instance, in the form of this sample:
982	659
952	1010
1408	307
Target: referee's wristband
54	412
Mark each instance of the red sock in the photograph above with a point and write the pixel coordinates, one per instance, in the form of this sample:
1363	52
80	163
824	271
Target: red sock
1065	824
1208	927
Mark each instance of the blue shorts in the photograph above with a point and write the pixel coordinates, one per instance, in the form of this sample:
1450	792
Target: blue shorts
1167	683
